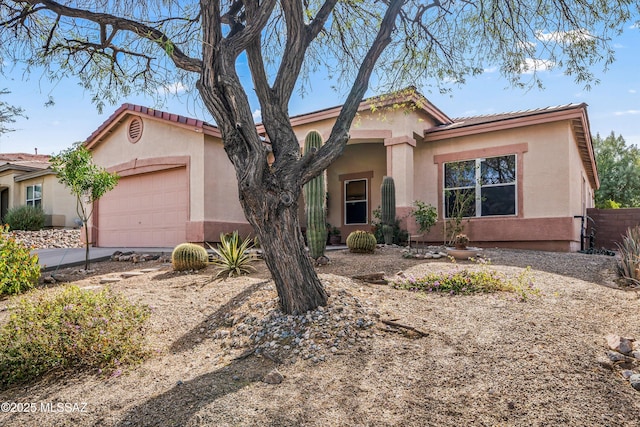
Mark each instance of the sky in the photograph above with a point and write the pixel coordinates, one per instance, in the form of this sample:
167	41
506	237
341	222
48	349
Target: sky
613	104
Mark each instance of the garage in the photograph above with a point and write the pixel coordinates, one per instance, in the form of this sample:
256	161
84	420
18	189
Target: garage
145	210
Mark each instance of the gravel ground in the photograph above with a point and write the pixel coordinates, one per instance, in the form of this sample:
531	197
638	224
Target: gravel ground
226	356
52	238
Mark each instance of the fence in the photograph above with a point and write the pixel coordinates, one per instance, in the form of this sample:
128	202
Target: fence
609	225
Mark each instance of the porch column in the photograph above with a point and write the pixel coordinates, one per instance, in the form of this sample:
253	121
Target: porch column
400	167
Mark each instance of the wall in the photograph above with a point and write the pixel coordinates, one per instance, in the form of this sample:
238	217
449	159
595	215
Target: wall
609	225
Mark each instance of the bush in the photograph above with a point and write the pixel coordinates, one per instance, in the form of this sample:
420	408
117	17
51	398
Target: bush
27	218
232	256
72	329
468	282
19	270
628	266
400	236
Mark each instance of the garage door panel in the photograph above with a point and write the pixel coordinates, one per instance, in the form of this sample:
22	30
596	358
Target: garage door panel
147	210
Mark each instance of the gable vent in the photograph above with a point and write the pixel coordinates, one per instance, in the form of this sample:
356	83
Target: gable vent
134	131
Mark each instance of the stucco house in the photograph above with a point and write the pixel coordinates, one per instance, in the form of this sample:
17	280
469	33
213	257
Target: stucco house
531	171
27	179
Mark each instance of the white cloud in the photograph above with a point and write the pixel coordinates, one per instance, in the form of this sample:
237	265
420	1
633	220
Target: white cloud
490	70
635	26
569	37
172	88
627	113
532	65
257	116
632	91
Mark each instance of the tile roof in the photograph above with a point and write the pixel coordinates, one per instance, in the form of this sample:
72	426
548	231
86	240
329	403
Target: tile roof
125	108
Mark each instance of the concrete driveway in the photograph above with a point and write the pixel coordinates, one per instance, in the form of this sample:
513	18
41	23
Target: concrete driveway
53	259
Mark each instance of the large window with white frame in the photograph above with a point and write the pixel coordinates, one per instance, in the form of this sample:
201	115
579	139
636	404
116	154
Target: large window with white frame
356	203
34	195
481	187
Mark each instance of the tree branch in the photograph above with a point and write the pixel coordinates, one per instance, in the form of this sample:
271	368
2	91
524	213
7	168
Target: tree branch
152	34
339	136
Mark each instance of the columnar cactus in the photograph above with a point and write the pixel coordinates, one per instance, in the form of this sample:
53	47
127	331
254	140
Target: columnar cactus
315	203
388	208
189	256
361	241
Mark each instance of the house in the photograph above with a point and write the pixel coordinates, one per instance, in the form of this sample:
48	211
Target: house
531	173
27	179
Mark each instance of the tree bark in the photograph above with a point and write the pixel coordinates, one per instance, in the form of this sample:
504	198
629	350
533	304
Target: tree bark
276	225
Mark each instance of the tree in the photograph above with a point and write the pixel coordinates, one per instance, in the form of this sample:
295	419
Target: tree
117	47
87	181
8	114
618	170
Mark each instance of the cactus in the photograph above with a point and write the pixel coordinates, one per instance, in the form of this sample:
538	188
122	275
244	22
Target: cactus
361	242
315	203
189	256
388	208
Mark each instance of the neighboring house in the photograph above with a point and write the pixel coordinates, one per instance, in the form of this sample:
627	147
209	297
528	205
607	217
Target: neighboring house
27	179
532	172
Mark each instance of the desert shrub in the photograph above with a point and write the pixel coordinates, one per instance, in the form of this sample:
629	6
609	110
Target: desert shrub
27	217
19	270
400	235
72	329
232	255
628	266
189	256
466	282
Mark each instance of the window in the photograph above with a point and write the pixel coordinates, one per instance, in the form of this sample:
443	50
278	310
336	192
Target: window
480	187
356	203
34	195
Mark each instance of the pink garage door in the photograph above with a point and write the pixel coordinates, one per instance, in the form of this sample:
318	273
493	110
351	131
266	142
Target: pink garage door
147	210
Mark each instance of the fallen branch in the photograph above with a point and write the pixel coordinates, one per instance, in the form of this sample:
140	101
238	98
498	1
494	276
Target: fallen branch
400	325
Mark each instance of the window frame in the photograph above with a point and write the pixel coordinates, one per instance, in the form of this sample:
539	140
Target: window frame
365	201
478	185
33	201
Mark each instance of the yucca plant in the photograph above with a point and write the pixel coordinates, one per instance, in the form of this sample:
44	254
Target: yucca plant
629	263
232	257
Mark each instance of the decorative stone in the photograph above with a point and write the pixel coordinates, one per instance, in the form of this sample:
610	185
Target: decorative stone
128	274
634	380
110	280
614	356
619	344
273	377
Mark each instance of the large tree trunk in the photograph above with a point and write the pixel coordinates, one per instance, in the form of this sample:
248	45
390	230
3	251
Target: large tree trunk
299	288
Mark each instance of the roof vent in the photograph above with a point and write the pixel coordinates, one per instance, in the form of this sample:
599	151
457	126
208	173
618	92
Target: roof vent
134	131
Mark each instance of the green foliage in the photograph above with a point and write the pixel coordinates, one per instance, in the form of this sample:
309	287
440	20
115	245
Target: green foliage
315	203
72	329
27	217
425	215
8	113
19	270
232	255
619	172
466	282
361	242
628	266
400	235
88	182
388	209
189	256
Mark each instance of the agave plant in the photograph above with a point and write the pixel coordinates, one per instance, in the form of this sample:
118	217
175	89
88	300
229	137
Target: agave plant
629	263
232	257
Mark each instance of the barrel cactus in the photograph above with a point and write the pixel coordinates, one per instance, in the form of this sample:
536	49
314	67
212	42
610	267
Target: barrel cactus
361	242
388	208
315	204
189	256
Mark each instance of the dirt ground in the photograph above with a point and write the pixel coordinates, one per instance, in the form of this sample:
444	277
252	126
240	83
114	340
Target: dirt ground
482	360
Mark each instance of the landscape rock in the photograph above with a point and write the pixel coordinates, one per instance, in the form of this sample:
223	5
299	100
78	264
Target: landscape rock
619	344
273	377
614	356
49	238
634	380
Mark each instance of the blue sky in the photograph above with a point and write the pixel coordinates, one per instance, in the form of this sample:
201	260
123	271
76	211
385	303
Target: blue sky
614	104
